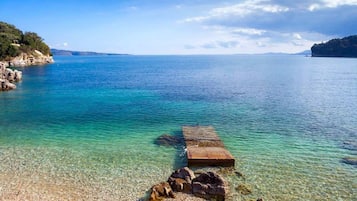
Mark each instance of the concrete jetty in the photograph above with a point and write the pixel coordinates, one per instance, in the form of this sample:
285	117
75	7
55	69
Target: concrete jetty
205	148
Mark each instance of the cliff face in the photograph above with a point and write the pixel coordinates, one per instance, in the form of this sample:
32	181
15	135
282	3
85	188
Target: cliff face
36	58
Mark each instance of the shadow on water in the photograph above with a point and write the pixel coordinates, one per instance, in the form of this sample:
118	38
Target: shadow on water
176	140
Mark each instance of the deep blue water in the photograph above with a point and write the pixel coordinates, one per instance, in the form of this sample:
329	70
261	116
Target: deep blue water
286	119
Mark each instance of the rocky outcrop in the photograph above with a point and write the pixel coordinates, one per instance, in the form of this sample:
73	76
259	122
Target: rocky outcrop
8	77
36	58
207	185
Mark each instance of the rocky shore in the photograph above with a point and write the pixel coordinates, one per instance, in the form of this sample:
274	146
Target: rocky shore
8	76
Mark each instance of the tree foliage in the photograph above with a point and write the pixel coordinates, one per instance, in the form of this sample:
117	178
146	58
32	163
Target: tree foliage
345	47
13	41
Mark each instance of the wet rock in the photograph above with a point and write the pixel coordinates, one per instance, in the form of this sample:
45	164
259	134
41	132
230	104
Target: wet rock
168	140
350	145
209	185
244	189
350	161
161	191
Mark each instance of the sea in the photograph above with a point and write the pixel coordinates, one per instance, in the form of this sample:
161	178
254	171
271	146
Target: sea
85	127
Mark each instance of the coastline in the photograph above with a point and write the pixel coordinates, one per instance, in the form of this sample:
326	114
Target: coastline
8	76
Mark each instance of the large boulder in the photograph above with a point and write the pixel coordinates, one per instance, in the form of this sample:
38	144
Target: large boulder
181	180
161	191
209	185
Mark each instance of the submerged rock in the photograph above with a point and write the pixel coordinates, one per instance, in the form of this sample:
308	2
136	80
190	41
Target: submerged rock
350	145
350	161
168	140
244	189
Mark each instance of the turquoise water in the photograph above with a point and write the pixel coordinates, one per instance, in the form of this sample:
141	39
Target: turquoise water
84	127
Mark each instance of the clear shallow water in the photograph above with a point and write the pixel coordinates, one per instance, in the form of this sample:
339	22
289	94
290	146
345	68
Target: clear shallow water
84	127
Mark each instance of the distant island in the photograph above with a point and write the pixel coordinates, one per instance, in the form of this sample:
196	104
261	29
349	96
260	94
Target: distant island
345	47
19	48
57	52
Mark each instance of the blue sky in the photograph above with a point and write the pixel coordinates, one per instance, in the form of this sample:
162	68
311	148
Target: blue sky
183	26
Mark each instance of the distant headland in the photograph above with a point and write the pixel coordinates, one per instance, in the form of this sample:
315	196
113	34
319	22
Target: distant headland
57	52
345	47
22	49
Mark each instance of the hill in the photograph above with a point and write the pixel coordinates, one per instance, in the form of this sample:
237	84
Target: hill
345	47
13	42
57	52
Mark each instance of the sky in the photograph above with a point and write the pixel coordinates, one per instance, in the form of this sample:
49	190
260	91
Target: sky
169	27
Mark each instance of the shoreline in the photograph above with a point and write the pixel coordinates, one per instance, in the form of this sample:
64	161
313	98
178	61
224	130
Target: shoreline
8	76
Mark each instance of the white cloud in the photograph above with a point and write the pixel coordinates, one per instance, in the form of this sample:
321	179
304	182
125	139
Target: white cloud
65	44
297	36
242	9
331	4
248	31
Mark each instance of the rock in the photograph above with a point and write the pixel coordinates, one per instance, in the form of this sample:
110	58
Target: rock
180	185
5	85
350	161
244	189
168	140
18	75
7	76
260	199
161	191
35	58
181	180
209	185
184	173
350	145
